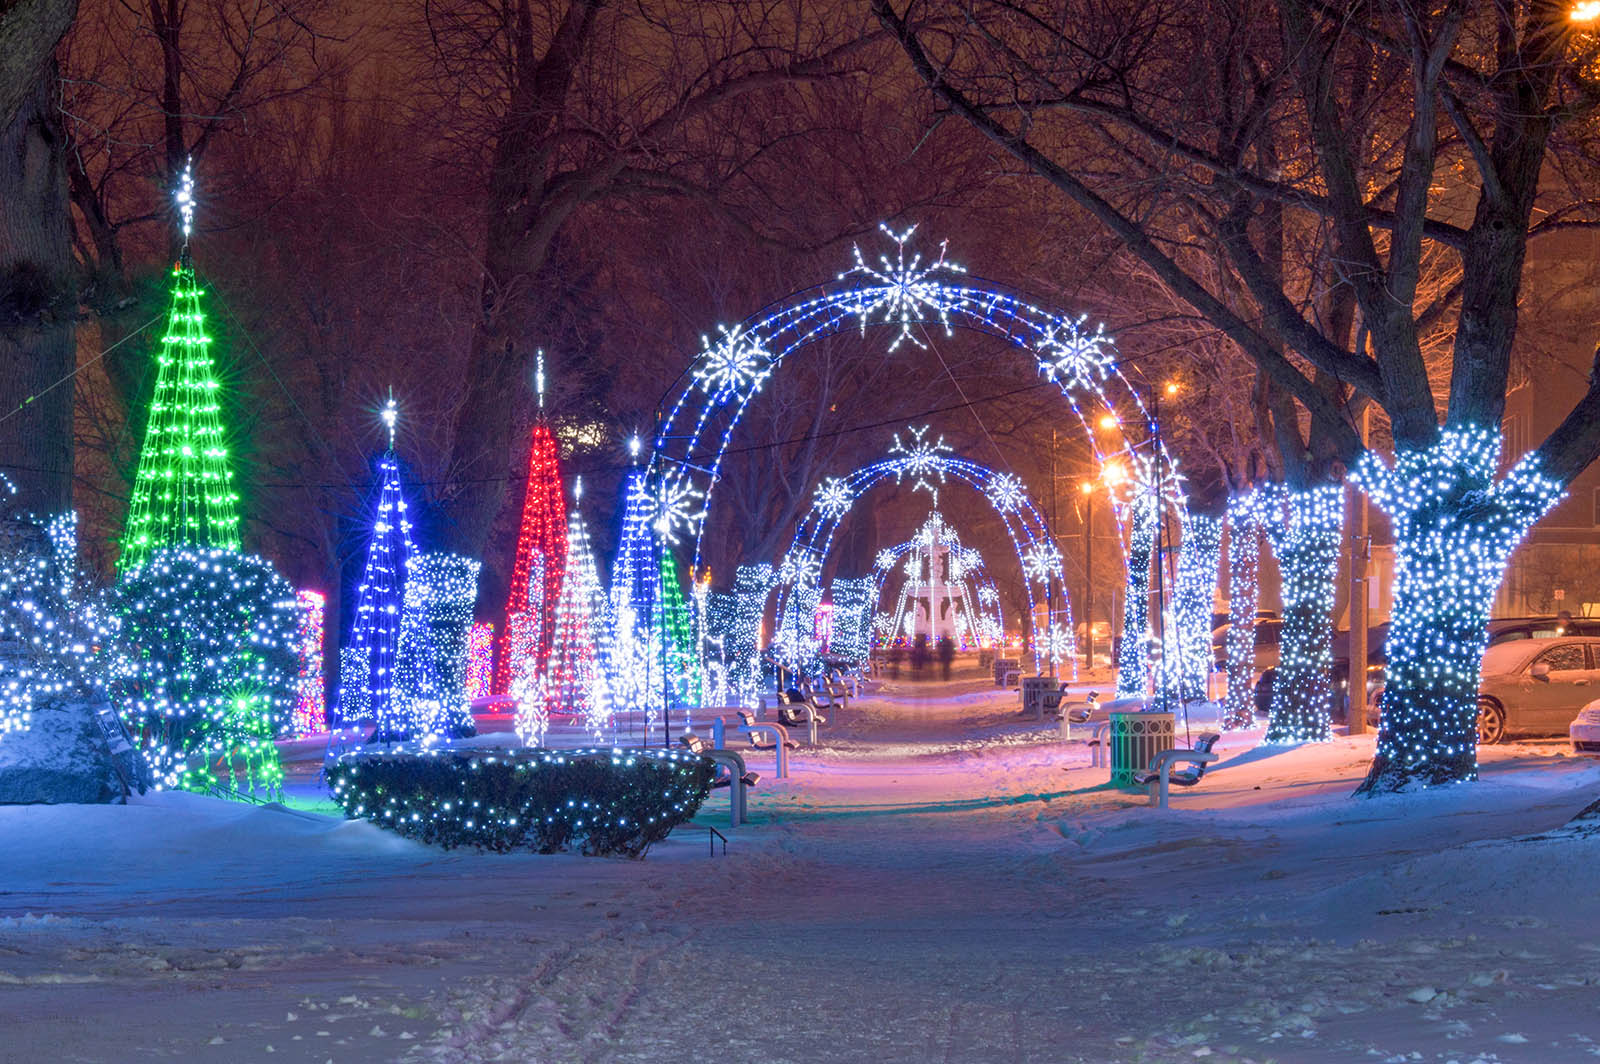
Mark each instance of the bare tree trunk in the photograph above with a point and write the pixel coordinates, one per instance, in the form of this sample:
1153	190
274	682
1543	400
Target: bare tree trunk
38	303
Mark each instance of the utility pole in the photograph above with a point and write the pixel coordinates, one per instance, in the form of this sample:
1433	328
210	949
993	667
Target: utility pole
1360	554
1088	572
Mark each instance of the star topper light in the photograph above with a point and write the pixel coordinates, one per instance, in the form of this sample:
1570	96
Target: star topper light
922	459
905	293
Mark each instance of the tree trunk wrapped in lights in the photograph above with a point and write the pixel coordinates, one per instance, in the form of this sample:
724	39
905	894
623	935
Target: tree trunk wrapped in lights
1455	527
1196	592
1244	599
1305	532
1133	653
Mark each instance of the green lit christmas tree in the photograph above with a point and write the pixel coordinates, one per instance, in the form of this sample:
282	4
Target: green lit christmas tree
183	492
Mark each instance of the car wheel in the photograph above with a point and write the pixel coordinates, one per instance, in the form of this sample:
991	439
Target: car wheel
1263	692
1491	722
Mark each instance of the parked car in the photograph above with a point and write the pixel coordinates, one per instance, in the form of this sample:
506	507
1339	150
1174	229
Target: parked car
1269	629
1536	686
1584	731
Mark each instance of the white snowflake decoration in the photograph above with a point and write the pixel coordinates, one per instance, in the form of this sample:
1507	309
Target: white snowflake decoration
1006	492
906	293
833	498
1040	561
674	510
802	568
1074	359
988	595
923	459
885	558
1056	643
736	364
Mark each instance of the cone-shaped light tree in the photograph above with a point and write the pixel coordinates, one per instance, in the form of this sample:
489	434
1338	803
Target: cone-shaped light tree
183	492
541	554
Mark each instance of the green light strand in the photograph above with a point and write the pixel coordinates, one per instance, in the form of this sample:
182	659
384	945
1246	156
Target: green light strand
183	494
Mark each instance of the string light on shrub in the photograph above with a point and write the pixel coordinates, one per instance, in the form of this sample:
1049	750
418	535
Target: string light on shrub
310	710
59	644
212	637
183	489
1244	599
1455	527
598	802
1305	533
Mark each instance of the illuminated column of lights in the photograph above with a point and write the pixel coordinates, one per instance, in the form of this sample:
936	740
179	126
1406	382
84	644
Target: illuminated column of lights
741	635
853	602
183	491
1455	527
310	710
678	642
524	635
480	660
708	644
431	663
577	683
1305	529
367	663
1196	591
1244	599
543	533
633	668
1134	651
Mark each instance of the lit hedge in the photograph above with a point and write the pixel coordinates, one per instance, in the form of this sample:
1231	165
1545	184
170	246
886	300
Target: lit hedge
599	802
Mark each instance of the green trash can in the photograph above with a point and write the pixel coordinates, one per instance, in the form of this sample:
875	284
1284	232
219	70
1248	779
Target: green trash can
1135	740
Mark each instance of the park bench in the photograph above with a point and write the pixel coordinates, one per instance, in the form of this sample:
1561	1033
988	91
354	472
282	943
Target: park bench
1160	775
738	776
751	729
1099	744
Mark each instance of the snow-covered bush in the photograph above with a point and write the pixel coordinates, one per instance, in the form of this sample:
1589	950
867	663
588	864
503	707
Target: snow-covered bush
600	802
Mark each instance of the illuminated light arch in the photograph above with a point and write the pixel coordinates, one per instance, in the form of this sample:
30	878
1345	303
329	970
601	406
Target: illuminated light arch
835	497
903	294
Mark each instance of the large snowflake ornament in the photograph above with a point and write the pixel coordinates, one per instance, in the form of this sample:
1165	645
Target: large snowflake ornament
1006	492
676	508
1073	358
801	567
885	558
1056	643
988	595
904	293
1041	561
921	459
833	498
736	364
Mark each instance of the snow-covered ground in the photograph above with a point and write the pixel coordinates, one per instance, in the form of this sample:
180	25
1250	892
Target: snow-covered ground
940	882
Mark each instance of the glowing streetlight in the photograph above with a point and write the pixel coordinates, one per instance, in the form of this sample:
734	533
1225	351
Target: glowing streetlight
1113	473
1172	386
1087	487
1585	11
1109	421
